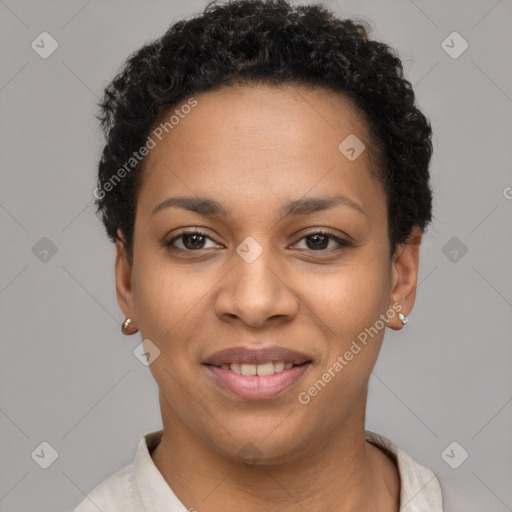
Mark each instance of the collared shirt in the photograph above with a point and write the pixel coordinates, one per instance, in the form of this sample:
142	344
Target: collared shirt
140	487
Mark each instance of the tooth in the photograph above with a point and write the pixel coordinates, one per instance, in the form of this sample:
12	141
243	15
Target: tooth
234	367
278	366
265	369
225	366
248	369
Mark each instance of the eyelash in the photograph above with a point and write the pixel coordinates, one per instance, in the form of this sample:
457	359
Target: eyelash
169	244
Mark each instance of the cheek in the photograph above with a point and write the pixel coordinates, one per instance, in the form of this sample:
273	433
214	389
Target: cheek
171	302
350	304
352	298
164	292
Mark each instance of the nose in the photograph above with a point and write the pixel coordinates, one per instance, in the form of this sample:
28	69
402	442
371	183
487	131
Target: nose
256	293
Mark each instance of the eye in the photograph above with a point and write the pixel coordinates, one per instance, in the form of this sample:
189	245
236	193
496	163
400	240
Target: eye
195	240
192	240
319	241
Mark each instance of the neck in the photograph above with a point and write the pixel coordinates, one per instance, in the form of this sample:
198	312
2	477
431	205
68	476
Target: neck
343	473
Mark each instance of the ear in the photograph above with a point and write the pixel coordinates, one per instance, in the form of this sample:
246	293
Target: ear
124	281
404	276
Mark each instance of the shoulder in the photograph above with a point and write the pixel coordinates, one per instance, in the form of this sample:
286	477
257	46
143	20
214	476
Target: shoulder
419	487
117	492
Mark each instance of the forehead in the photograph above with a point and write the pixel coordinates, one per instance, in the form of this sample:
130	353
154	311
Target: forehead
273	114
259	142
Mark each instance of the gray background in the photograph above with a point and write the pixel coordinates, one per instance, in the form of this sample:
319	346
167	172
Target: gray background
68	375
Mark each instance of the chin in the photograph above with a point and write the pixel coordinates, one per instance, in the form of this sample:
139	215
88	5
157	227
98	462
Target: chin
255	444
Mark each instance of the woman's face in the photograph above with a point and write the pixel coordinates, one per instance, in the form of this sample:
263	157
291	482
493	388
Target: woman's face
266	271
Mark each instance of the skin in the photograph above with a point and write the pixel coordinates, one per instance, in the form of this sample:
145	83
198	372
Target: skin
252	148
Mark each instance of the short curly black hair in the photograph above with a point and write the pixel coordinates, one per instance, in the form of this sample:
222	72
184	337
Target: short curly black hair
274	43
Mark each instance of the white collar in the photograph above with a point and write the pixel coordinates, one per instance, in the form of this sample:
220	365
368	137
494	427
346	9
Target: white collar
419	487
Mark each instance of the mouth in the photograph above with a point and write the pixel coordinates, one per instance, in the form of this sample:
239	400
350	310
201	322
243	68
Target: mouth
257	374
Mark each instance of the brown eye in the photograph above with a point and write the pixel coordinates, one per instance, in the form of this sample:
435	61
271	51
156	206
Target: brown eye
193	241
319	241
189	241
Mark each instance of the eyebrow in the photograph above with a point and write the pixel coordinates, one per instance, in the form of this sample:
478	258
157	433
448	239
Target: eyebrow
306	205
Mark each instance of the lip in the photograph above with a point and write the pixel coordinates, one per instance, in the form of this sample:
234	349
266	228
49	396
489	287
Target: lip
239	355
255	387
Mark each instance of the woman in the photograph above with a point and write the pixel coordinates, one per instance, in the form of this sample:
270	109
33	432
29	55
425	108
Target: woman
265	181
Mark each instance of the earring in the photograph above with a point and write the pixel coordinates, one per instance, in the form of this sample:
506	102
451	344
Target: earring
125	325
402	318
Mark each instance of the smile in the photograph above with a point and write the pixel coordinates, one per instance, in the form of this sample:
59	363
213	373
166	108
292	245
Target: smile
257	382
256	374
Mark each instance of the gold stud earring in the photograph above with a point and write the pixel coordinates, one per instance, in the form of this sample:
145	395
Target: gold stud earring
126	325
